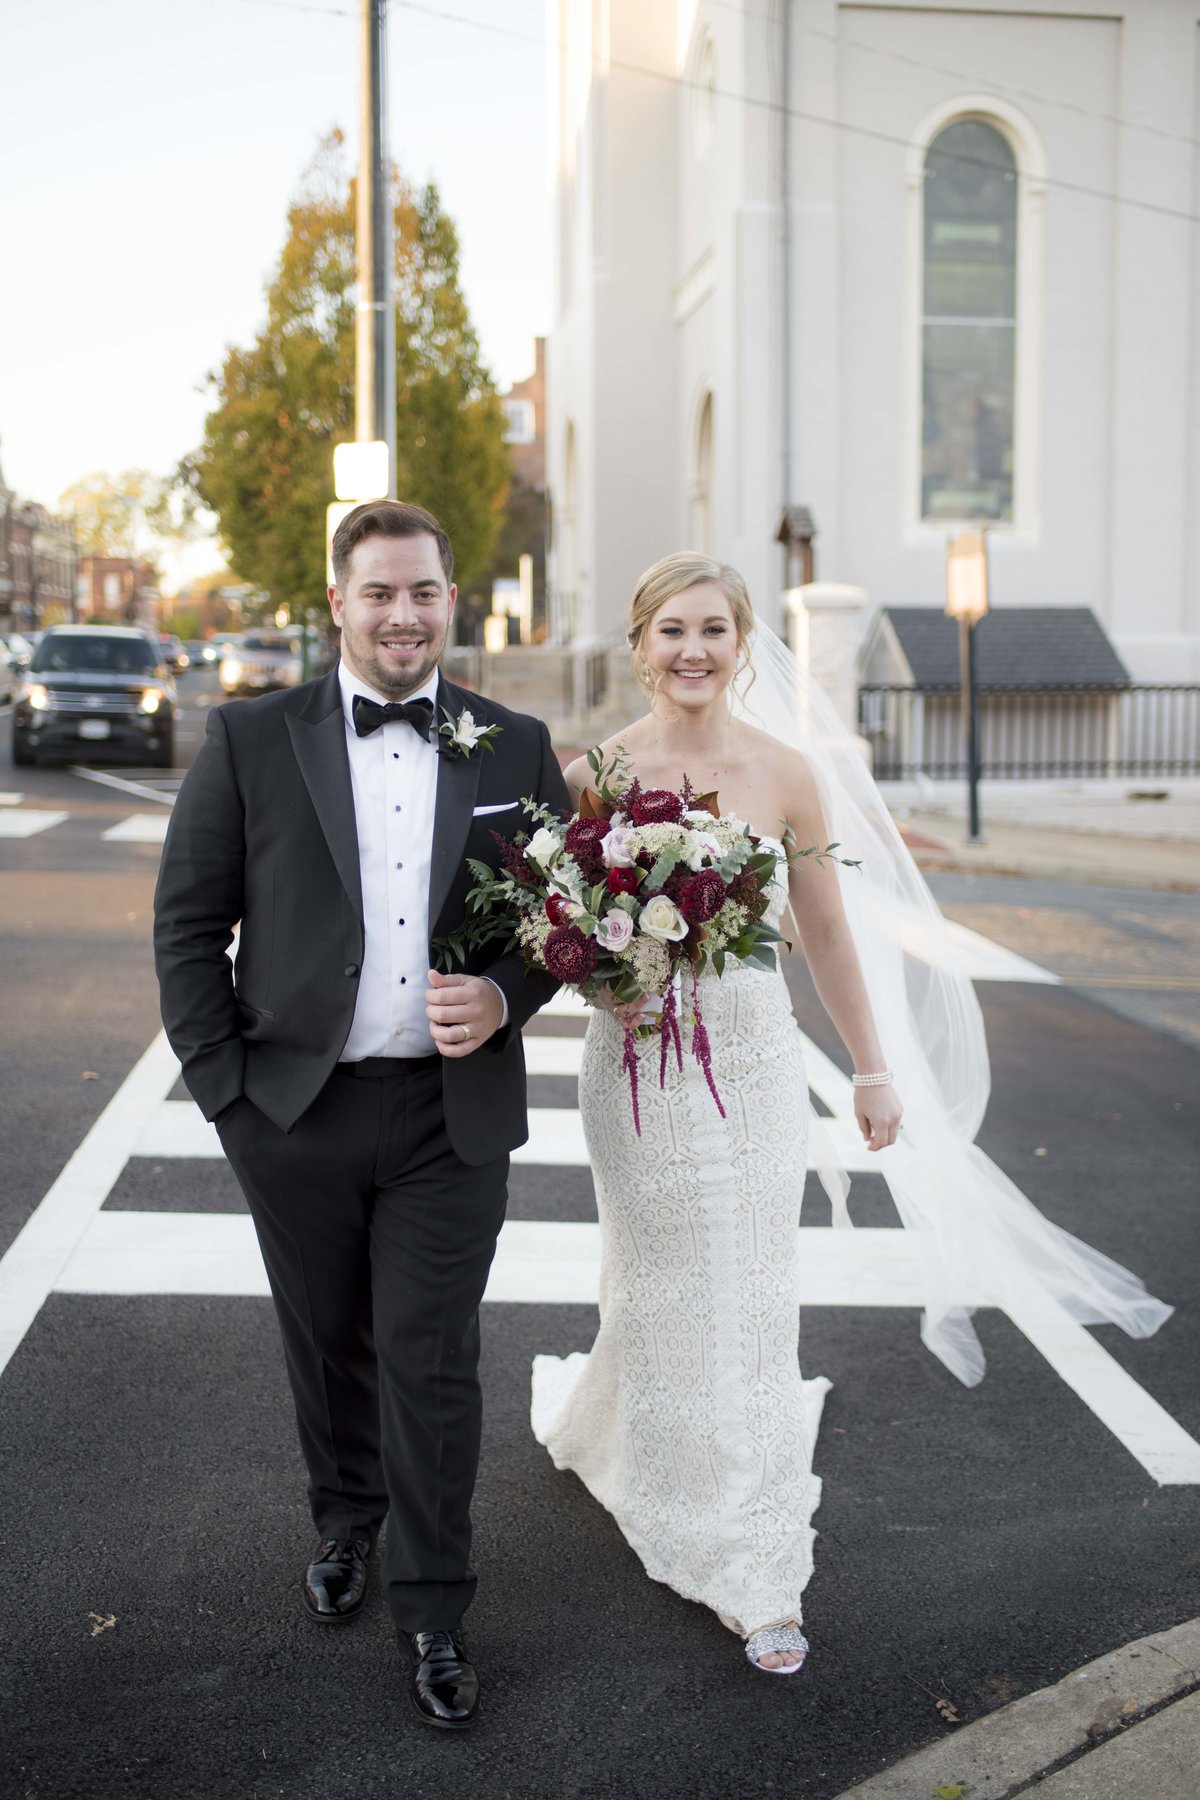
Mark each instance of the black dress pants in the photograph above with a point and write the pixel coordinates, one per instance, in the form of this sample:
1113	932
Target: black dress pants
377	1240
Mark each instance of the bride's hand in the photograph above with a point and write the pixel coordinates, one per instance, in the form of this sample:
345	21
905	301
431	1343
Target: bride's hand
878	1111
631	1013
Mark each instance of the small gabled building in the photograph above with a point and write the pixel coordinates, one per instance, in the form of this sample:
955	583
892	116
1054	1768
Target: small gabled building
1049	685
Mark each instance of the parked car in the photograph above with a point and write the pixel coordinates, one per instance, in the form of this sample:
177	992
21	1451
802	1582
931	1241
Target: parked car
89	685
173	653
262	660
214	648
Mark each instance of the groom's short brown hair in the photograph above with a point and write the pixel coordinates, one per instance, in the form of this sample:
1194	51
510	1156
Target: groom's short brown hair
386	518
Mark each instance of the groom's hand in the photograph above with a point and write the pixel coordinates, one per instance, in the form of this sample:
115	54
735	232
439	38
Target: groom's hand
464	1011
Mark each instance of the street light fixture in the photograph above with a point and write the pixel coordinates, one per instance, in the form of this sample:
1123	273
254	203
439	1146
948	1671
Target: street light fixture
967	601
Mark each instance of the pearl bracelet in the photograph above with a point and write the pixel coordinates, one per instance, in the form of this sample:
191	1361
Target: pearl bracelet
880	1080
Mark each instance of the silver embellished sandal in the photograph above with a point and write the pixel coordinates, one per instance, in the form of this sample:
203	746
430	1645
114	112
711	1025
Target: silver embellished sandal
786	1635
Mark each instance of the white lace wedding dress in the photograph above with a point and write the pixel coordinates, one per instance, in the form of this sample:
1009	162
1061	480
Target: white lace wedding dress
689	1419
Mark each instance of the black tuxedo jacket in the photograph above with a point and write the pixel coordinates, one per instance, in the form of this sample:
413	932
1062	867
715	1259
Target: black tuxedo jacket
263	832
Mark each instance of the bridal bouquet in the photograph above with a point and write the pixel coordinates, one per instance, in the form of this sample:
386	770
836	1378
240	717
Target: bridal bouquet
642	890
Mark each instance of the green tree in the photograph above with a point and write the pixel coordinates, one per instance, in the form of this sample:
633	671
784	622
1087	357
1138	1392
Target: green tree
114	515
265	467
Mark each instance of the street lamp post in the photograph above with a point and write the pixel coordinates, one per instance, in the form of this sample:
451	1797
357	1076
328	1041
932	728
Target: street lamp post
375	340
967	601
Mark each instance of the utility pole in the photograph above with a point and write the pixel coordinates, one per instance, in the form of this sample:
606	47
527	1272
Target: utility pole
375	341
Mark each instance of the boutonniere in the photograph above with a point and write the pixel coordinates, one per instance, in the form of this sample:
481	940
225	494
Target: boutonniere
462	736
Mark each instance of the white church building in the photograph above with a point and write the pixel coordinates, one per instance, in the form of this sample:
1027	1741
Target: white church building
899	268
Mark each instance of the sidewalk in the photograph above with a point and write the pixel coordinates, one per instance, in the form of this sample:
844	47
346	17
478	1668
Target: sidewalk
1126	1727
1053	853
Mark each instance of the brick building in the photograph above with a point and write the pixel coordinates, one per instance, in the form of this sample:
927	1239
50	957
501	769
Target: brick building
119	589
38	564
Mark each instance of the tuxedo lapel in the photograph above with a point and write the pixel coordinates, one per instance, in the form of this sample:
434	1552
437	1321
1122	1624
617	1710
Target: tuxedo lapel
457	787
318	733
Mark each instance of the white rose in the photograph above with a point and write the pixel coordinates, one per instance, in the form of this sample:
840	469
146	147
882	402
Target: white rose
661	919
541	846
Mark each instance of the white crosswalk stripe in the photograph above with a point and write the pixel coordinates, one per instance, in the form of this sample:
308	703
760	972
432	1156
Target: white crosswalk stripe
139	828
72	1246
27	821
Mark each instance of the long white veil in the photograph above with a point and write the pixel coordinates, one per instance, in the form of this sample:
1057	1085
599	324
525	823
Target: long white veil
979	1241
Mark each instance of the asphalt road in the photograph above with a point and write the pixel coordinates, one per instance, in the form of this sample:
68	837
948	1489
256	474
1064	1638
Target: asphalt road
973	1545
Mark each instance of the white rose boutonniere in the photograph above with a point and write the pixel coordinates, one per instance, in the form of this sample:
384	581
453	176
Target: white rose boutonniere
462	736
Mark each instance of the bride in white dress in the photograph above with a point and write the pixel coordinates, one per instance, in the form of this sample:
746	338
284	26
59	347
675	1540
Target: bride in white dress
689	1419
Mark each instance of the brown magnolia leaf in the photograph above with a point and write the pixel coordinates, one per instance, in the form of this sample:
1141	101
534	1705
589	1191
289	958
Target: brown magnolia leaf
706	803
592	806
89	1075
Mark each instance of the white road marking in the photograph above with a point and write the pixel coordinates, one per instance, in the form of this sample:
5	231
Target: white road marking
139	828
538	1262
552	1055
944	943
27	823
565	1005
1146	1429
33	1262
71	1246
141	790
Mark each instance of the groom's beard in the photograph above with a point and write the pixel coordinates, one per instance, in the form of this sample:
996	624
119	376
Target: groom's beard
366	659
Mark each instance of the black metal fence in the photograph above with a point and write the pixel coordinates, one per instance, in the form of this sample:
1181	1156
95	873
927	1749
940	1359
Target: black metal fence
1035	733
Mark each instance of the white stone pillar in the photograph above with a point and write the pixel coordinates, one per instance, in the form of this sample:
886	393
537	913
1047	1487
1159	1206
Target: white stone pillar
825	629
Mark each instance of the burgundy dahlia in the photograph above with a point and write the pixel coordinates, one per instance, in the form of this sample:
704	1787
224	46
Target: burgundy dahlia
745	890
656	806
568	954
558	910
584	837
701	896
622	881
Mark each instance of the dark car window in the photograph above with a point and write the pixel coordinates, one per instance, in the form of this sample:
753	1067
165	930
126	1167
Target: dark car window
97	655
266	643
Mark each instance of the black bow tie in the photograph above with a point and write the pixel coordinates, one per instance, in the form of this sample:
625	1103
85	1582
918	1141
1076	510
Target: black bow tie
368	715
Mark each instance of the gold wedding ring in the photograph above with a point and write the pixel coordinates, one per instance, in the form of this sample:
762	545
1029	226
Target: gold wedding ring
466	1031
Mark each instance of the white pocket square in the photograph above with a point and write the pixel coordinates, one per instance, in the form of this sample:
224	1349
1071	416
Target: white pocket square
501	806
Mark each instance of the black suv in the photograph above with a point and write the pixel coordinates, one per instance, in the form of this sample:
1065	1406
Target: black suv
95	689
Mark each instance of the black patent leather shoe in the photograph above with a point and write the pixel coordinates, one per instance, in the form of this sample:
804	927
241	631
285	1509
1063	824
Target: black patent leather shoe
335	1582
444	1689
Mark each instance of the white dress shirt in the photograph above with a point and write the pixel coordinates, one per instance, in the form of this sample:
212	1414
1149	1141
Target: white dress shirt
394	776
393	773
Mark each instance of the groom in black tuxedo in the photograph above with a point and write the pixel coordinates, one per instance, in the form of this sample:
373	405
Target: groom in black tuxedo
367	1104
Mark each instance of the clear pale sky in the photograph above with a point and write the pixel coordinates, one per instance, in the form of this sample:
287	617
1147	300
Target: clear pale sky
148	149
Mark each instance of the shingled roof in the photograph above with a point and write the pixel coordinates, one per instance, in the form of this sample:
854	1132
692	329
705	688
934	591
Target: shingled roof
1015	647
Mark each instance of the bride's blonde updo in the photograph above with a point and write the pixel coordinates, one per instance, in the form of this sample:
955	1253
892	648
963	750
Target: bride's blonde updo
671	575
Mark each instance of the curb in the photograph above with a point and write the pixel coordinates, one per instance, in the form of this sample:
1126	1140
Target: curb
1001	1755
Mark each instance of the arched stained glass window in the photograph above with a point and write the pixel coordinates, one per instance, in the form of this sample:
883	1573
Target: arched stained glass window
969	324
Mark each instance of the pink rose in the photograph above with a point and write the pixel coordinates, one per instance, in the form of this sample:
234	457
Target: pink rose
614	931
619	849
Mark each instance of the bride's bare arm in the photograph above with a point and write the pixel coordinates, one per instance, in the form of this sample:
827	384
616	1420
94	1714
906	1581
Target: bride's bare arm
828	946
